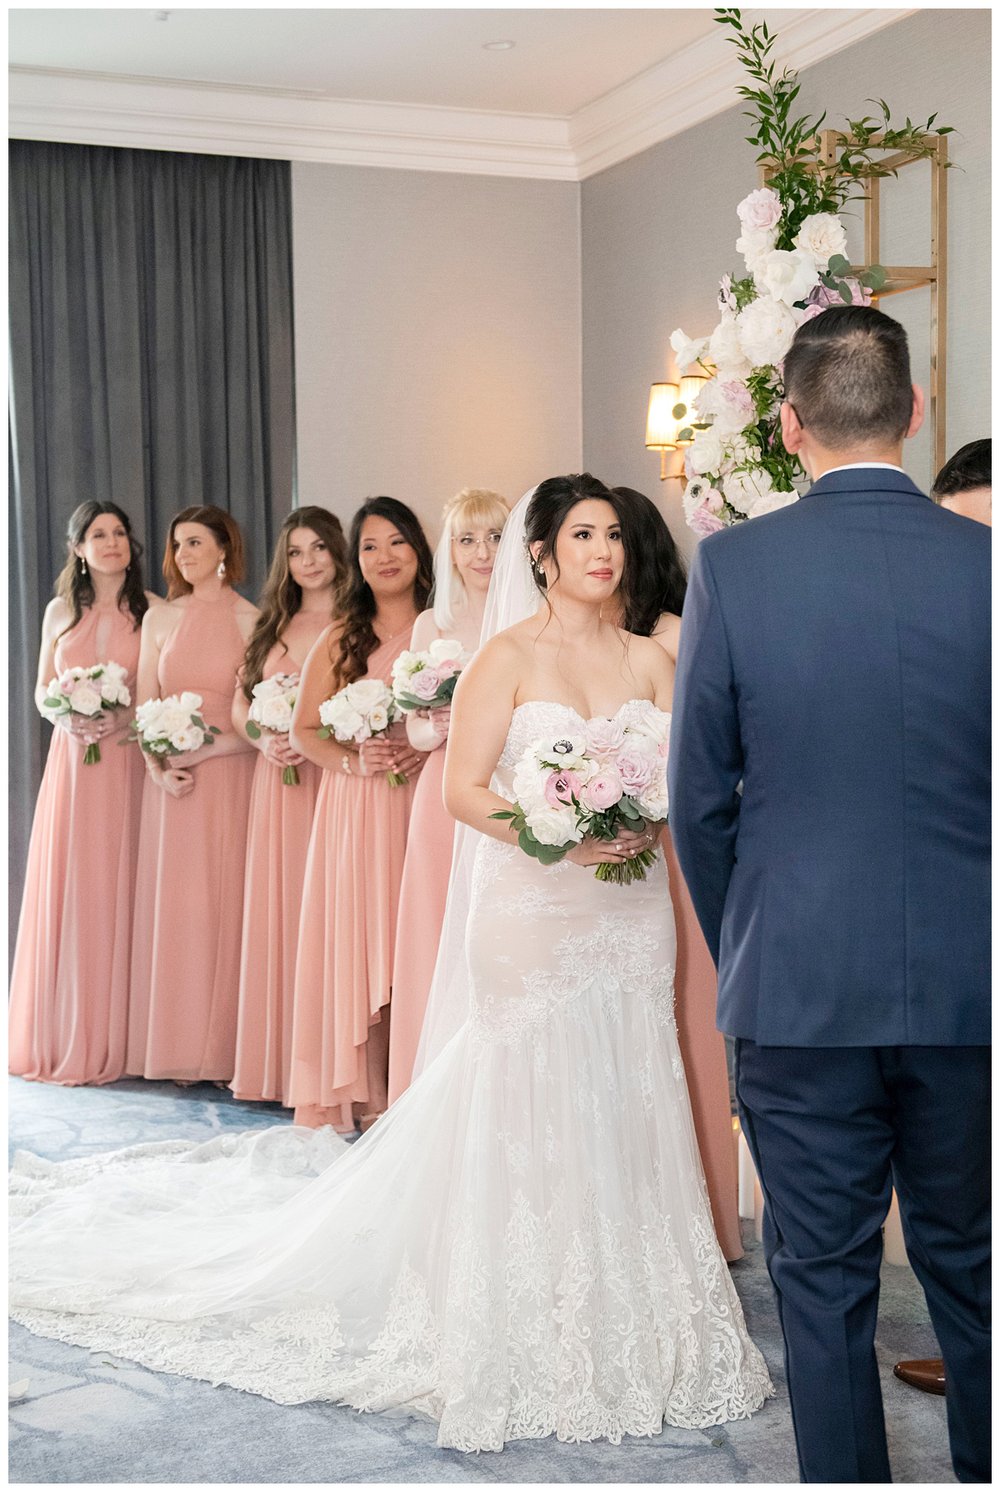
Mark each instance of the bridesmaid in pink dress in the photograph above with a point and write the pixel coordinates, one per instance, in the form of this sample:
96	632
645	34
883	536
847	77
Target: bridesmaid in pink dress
192	837
658	600
463	564
69	984
343	972
296	606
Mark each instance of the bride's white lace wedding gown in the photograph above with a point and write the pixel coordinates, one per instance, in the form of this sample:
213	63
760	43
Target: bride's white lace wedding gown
522	1246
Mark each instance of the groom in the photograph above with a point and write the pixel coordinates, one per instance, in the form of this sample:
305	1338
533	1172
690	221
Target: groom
835	657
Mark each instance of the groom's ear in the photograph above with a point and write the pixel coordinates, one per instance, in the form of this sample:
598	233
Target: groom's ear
791	430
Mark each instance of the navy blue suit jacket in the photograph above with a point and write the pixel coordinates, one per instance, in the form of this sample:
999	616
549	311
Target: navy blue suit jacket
834	657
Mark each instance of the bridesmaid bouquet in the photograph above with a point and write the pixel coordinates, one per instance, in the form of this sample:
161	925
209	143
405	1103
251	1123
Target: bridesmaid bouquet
88	692
611	778
363	709
426	681
172	726
271	709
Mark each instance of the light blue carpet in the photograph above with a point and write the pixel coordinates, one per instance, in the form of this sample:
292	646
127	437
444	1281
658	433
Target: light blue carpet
89	1418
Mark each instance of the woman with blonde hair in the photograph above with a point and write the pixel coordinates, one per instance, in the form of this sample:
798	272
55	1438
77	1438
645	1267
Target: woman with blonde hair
297	604
472	523
192	836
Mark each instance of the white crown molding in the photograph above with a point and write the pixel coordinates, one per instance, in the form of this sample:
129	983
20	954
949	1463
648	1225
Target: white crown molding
701	81
165	114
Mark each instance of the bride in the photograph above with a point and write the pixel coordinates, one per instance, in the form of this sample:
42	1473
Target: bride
522	1246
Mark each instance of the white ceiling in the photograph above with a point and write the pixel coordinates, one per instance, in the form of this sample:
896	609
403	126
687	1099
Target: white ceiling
562	59
405	88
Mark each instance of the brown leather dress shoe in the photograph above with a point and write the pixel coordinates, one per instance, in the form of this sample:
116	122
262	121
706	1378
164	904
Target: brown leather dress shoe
925	1373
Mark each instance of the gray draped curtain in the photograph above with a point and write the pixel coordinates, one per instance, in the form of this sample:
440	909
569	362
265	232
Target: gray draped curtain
151	363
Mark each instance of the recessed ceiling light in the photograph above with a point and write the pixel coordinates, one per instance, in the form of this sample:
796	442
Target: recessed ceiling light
498	46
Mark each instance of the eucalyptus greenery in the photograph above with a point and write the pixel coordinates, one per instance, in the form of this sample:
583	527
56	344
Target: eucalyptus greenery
790	147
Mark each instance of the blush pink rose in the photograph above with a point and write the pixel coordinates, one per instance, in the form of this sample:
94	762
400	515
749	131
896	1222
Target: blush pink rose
562	787
603	790
636	770
604	737
760	211
67	684
704	523
426	683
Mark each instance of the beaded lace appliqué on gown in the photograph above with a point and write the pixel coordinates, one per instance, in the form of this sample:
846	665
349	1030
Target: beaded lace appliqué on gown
521	1247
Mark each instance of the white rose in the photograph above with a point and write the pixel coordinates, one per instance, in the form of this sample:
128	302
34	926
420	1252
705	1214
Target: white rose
406	665
86	699
754	246
822	236
554	825
787	274
744	489
187	739
378	718
366	694
766	330
706	451
529	785
760	211
275	713
773	501
190	702
725	350
655	801
115	671
686	350
446	650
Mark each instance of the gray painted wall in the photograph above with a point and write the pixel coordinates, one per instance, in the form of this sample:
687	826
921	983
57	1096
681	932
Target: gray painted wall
659	232
437	325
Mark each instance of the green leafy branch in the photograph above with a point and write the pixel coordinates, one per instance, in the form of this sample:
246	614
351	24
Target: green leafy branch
789	146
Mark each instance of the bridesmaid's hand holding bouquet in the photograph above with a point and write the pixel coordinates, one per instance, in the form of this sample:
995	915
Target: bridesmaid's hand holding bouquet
88	693
171	727
271	711
358	713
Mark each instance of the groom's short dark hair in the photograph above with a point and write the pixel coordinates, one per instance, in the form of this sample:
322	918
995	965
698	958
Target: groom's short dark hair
847	376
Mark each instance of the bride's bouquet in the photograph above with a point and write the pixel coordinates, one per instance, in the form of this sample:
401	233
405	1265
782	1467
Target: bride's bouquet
271	709
426	681
172	726
358	712
611	778
88	692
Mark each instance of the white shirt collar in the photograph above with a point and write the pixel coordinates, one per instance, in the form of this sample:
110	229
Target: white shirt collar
857	465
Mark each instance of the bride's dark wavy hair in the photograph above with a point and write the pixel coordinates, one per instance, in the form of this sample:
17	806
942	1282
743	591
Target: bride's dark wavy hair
657	579
547	511
356	605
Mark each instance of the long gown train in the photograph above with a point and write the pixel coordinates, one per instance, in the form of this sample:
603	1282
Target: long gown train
521	1246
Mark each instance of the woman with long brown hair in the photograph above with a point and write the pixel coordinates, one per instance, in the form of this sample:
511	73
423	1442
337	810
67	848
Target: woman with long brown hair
69	984
192	840
343	972
296	605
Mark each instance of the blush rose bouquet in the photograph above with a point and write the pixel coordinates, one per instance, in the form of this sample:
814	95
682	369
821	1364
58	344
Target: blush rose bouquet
609	778
426	680
88	692
271	709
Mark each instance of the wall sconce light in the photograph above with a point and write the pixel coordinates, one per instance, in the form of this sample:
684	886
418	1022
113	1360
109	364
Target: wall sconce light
669	415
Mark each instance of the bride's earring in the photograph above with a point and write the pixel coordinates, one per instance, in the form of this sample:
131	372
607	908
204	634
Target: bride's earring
221	571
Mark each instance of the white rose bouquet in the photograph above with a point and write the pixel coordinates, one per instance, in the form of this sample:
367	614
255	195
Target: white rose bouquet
794	247
359	711
426	681
271	709
89	692
172	726
610	778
